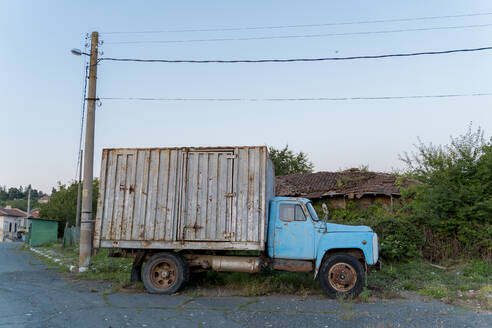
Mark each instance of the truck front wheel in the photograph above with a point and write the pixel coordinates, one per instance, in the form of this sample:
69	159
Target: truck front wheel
165	273
342	275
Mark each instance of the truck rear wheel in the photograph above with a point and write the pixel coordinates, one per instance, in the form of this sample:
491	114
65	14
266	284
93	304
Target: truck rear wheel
165	273
342	275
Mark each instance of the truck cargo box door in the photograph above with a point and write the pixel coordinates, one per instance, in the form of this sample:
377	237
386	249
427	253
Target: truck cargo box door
207	197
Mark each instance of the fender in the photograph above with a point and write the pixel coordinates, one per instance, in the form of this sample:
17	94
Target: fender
341	240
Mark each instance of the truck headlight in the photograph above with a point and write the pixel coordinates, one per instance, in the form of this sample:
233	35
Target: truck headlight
375	248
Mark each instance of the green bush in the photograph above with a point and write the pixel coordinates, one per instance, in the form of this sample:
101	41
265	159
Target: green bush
478	271
399	238
454	203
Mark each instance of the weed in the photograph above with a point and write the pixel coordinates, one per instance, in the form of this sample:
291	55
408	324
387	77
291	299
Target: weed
365	295
438	292
245	304
478	271
345	301
409	285
347	316
264	283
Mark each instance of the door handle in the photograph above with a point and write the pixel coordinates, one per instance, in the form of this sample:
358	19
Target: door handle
278	228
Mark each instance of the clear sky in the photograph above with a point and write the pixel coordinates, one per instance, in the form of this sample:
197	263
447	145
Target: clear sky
41	82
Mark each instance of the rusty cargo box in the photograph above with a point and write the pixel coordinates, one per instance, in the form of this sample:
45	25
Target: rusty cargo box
184	198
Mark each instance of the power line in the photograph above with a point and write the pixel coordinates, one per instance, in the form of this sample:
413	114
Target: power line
79	158
302	35
236	61
246	28
297	99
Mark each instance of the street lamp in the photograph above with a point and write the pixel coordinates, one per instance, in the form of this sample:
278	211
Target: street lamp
78	52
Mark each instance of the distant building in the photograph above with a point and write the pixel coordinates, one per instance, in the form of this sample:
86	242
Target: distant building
35	213
44	199
11	221
336	188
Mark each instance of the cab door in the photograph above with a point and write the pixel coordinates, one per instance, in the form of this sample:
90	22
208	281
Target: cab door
294	232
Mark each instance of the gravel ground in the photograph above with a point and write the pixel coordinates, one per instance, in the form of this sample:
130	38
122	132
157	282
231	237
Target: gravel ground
33	296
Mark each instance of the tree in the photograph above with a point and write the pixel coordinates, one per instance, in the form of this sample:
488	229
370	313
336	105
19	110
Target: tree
3	193
14	193
17	199
285	161
63	203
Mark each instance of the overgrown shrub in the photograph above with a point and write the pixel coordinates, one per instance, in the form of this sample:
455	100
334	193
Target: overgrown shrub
453	206
400	239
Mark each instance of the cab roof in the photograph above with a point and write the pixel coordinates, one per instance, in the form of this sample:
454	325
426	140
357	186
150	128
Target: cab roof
297	199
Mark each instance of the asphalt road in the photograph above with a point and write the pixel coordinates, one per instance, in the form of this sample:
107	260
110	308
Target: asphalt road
33	296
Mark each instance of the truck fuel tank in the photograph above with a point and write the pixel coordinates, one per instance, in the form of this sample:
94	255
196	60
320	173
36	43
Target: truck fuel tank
225	263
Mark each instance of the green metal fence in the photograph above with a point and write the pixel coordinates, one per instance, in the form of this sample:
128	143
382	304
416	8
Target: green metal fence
71	236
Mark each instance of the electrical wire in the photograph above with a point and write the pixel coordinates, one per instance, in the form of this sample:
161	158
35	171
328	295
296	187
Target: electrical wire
301	25
79	158
236	61
302	35
297	99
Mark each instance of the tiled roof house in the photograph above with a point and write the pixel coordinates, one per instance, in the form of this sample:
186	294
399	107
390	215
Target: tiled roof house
335	188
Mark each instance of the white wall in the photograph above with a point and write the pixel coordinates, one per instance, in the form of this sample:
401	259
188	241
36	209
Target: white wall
5	222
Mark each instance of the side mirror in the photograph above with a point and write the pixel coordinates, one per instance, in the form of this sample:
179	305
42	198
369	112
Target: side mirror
325	211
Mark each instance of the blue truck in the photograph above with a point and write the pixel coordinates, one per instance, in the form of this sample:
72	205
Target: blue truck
184	210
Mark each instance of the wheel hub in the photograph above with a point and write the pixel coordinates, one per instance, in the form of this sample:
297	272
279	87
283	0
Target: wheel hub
163	274
342	277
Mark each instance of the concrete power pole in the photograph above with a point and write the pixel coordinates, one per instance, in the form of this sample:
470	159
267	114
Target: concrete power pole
87	221
79	191
28	205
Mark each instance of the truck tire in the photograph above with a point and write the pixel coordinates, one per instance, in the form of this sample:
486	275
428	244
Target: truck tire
342	275
165	273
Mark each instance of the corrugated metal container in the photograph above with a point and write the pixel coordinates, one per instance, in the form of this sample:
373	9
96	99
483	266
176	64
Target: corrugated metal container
184	198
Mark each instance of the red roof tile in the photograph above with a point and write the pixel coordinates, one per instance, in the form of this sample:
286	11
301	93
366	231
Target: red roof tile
12	212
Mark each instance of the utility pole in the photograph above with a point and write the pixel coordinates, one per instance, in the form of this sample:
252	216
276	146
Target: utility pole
87	221
79	191
28	205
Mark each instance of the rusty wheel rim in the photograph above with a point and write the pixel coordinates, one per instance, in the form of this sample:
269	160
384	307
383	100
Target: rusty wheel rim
342	277
163	274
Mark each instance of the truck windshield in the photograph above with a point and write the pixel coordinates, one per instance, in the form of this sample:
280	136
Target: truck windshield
312	212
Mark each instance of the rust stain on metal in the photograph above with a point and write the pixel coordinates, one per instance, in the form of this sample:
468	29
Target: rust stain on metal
193	227
292	265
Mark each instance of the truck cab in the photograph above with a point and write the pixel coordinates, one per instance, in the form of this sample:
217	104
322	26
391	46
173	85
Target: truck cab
339	253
